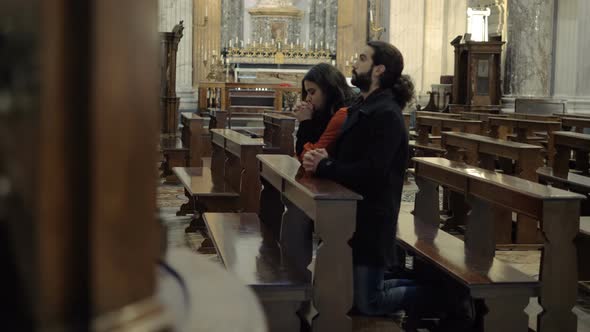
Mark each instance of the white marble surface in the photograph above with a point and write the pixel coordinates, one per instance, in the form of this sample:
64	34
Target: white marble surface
423	30
529	48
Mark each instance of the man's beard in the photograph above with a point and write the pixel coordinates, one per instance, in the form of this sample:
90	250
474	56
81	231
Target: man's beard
362	80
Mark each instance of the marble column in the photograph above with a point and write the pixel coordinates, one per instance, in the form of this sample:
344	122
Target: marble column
232	22
323	21
352	30
571	48
529	47
406	32
423	30
170	13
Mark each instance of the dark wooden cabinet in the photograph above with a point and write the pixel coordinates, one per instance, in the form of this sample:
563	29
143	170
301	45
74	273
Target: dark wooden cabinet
476	83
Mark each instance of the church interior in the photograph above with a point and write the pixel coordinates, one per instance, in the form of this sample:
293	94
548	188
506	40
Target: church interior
149	179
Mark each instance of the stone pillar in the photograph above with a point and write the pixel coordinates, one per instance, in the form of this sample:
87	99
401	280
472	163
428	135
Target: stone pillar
529	55
352	30
571	48
170	12
423	30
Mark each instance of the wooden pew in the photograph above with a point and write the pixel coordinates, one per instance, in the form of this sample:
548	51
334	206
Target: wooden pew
523	128
438	114
331	207
483	117
560	176
230	184
245	248
564	142
482	151
217	120
528	116
183	151
504	290
573	115
580	123
429	129
279	134
407	119
558	211
435	125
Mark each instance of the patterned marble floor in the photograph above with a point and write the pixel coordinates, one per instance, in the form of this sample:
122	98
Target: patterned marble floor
170	197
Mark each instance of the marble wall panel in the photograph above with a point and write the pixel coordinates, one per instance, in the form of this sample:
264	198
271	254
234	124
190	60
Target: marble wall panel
423	30
583	68
406	32
529	48
232	23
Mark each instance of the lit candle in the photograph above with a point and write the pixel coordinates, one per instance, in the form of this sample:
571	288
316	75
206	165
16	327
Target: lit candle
279	45
371	15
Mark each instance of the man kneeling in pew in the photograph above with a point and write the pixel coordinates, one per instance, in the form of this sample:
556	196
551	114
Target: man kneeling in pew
370	158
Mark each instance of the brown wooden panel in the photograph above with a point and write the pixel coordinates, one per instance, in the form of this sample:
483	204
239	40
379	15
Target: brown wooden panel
199	181
448	253
238	238
289	169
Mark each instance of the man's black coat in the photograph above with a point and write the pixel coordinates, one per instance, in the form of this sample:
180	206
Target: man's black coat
370	158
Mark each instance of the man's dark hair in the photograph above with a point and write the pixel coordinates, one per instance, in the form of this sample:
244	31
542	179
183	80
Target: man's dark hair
389	56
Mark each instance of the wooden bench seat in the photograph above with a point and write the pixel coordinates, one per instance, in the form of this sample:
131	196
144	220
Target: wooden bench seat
583	249
504	289
278	134
185	150
233	172
563	144
449	254
251	254
557	210
523	128
172	144
485	152
426	150
199	181
435	125
298	204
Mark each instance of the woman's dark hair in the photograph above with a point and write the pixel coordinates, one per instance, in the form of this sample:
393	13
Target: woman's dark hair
389	56
336	91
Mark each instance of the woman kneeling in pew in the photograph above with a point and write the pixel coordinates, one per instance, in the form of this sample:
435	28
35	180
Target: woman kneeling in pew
369	157
322	112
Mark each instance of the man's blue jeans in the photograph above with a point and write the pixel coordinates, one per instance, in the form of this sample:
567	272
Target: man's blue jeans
375	296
